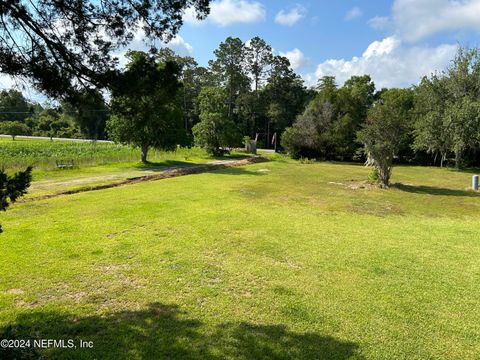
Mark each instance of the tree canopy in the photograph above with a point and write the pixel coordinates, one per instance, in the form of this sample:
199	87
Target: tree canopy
14	106
388	123
448	109
144	111
13	187
65	45
215	131
89	113
14	128
327	129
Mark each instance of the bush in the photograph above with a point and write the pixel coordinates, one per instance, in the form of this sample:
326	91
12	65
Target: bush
311	135
373	176
306	161
215	133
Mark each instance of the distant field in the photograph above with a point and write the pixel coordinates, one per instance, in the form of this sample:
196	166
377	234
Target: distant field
278	260
44	153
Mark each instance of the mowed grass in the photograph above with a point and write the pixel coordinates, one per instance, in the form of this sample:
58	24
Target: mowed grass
278	260
94	163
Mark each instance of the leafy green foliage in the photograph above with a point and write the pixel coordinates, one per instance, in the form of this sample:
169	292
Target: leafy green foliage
81	55
13	106
387	126
229	69
13	187
353	101
193	79
284	94
327	129
373	176
311	135
215	131
144	110
89	112
432	126
447	108
276	97
52	124
258	57
14	128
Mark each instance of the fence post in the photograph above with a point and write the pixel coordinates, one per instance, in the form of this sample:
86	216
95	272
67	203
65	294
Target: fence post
475	182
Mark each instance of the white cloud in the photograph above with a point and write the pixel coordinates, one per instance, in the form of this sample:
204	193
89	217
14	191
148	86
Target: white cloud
380	48
354	13
290	18
228	12
379	22
190	17
417	19
390	63
177	44
6	82
394	61
180	46
296	57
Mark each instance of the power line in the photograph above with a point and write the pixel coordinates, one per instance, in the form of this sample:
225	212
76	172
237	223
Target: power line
31	112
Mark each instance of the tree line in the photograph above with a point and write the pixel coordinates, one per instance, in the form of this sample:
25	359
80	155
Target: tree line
163	100
429	124
85	119
245	91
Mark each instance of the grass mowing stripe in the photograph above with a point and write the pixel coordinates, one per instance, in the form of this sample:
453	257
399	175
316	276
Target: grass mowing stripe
273	260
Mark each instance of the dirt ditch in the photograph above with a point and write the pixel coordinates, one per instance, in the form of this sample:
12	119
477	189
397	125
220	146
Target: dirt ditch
166	174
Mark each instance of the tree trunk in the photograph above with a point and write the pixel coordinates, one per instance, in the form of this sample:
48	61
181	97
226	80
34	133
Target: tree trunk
458	159
185	109
230	103
144	153
267	145
384	176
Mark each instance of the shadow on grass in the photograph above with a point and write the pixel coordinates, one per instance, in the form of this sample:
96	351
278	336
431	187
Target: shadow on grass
179	165
473	171
232	156
237	171
164	332
162	165
431	190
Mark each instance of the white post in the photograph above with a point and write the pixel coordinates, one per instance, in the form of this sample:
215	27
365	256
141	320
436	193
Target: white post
475	182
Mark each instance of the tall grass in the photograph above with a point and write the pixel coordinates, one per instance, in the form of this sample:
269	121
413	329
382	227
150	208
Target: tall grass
43	154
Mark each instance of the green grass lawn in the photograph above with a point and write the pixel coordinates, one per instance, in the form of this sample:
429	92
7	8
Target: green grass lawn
278	260
94	164
47	182
43	154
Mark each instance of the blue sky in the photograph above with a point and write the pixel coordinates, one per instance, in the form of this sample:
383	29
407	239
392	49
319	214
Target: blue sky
395	41
321	31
